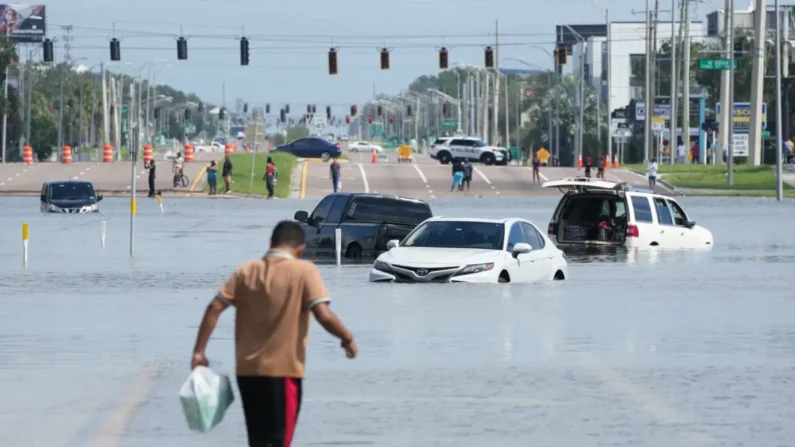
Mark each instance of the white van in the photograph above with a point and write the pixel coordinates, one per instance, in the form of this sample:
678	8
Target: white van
600	212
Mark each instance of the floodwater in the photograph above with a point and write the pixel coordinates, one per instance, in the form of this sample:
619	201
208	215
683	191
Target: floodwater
637	349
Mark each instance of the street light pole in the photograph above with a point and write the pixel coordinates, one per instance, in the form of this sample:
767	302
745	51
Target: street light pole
779	122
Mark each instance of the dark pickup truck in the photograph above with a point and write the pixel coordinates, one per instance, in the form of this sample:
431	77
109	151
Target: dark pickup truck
367	221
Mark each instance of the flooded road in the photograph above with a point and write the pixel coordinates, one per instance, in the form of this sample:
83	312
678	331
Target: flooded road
651	348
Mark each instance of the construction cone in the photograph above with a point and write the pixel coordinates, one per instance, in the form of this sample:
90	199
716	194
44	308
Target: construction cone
579	162
375	157
607	162
615	161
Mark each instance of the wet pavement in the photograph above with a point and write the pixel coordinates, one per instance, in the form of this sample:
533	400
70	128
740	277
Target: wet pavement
649	348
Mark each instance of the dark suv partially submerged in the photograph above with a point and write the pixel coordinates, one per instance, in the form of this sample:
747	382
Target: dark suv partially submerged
69	196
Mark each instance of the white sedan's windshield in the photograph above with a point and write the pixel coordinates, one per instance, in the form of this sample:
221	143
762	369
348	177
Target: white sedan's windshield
453	234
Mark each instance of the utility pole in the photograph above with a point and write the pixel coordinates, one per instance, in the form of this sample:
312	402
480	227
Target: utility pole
757	80
507	128
649	107
496	114
685	79
5	112
105	119
581	126
730	104
725	118
779	121
674	91
654	85
60	114
485	136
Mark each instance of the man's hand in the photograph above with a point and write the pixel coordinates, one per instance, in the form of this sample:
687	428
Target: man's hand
198	360
351	350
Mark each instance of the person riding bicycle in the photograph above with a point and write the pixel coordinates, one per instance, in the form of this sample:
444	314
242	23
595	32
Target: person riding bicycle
177	168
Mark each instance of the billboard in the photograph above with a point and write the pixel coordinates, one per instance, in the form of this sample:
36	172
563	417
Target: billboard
23	23
742	116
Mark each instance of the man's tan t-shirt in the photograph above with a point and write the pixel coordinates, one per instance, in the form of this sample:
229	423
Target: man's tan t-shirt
273	297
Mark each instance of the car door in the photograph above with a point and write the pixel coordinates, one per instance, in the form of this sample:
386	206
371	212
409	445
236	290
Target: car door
542	256
299	148
670	237
644	219
457	148
316	224
687	236
521	268
327	230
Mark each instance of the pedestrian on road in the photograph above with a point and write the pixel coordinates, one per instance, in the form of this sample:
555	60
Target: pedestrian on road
536	169
458	175
212	177
271	176
587	166
150	165
273	297
651	169
227	174
600	170
468	168
334	174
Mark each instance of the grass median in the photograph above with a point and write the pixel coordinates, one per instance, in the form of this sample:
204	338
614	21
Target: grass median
698	176
241	174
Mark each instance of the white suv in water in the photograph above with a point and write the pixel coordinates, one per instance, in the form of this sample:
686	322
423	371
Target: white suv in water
472	149
603	213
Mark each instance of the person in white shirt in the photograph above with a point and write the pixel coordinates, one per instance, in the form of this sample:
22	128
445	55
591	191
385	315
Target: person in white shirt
651	170
681	152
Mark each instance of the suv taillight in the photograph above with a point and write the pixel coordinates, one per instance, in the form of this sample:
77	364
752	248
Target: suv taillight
632	231
551	228
433	146
338	146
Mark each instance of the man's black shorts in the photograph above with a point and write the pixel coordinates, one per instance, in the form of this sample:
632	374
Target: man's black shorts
271	406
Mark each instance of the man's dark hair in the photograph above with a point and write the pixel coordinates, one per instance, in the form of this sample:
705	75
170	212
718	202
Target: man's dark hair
288	233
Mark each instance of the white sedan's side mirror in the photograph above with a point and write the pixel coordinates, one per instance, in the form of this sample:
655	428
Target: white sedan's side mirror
392	244
521	248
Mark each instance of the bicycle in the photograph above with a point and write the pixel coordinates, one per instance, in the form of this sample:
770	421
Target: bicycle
181	180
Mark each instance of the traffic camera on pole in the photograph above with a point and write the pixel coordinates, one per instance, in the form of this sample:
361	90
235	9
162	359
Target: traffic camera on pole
443	60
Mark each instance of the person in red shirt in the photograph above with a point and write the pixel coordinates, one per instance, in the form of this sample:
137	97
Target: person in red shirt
271	175
696	152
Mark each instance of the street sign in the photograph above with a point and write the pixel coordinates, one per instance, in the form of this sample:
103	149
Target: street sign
742	116
658	123
740	145
716	64
663	110
449	124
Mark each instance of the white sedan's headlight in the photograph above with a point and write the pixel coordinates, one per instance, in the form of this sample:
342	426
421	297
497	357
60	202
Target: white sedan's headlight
381	266
476	268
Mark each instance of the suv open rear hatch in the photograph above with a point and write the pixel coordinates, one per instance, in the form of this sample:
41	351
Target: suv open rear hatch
583	184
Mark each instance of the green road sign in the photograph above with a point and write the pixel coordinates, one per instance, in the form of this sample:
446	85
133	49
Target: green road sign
716	64
765	133
449	124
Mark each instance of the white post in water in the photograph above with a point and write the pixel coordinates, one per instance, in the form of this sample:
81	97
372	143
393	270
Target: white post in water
25	234
160	202
102	229
338	245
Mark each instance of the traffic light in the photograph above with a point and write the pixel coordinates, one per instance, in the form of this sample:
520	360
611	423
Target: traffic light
443	62
328	113
187	114
408	110
370	119
49	55
384	59
287	108
444	109
282	115
391	118
314	108
244	51
488	58
347	119
182	49
308	108
354	110
157	113
587	70
115	49
560	54
245	108
738	47
222	113
201	107
267	109
332	61
379	111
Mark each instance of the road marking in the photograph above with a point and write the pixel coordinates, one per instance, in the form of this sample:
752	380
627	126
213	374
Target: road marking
483	176
422	176
196	180
540	175
303	180
17	174
2	184
364	178
25	170
83	172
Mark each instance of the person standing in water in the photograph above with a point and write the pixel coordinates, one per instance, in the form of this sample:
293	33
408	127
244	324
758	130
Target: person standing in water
334	174
536	169
150	165
458	175
212	177
271	176
651	169
600	170
587	166
227	174
468	168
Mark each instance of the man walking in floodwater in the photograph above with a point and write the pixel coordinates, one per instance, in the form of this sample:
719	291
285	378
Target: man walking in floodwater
334	174
273	297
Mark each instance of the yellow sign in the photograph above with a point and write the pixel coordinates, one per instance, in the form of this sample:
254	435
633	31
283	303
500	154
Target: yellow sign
543	155
658	120
405	151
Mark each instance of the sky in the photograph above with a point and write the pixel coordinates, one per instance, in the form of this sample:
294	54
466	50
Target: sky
290	40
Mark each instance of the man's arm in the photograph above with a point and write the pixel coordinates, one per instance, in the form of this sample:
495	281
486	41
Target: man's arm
209	321
332	324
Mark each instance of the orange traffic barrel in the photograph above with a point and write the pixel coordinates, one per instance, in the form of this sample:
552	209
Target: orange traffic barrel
615	161
607	161
374	158
579	161
188	152
27	155
66	154
107	153
147	153
229	149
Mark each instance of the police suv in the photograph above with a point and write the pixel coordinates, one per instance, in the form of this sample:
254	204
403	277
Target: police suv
470	148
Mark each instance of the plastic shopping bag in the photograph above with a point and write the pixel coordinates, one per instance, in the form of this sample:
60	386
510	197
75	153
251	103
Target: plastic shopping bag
205	396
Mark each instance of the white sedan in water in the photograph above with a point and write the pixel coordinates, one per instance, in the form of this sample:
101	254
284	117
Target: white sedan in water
363	146
471	250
